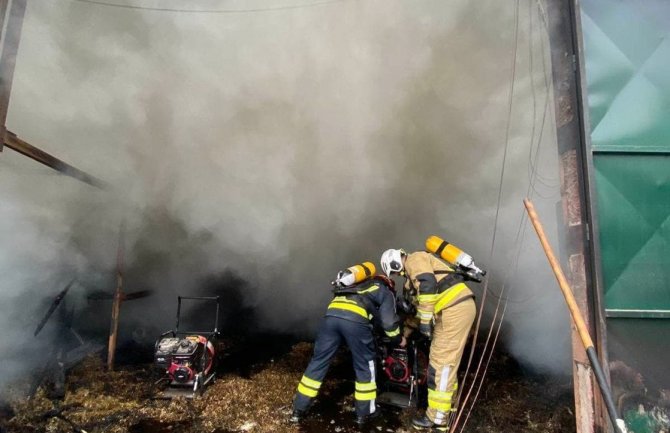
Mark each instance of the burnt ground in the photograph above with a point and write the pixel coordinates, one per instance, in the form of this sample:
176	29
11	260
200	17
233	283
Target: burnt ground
253	393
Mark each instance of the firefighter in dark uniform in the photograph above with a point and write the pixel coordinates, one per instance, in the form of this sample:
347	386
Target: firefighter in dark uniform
348	319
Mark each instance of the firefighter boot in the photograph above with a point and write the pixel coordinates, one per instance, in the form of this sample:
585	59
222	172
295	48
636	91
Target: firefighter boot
362	420
424	423
296	416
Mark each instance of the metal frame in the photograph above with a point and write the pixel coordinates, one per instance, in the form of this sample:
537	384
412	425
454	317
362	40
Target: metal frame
581	245
198	298
591	207
637	314
633	150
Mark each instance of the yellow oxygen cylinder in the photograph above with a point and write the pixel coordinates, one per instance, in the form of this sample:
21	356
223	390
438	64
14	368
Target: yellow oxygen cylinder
355	274
449	252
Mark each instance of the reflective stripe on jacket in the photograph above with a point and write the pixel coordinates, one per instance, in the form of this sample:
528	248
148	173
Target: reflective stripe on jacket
437	288
365	301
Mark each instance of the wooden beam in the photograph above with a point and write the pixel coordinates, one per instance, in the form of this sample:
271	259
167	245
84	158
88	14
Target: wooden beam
15	143
116	304
10	48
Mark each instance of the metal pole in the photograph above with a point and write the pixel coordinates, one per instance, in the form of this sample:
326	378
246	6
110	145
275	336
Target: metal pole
577	318
116	305
10	48
178	312
216	319
3	12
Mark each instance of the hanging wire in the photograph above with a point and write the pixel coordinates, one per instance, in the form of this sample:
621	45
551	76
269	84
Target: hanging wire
531	190
532	162
454	418
513	270
532	89
532	173
549	182
208	11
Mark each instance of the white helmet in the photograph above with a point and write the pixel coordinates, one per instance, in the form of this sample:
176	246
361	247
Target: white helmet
391	261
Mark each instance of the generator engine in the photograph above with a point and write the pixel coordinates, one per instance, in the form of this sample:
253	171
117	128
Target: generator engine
396	367
187	358
403	375
183	358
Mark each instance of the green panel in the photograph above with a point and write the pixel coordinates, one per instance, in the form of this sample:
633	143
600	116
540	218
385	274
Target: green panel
627	53
627	47
634	220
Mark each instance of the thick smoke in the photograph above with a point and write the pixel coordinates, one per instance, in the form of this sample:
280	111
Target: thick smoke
267	150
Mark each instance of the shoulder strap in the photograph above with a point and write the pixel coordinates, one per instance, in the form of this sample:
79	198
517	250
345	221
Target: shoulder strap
358	289
449	281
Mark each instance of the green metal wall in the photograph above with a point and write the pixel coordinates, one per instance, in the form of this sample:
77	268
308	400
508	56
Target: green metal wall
634	209
627	52
627	62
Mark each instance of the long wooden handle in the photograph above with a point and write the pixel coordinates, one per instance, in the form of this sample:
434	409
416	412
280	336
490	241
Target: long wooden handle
562	281
617	423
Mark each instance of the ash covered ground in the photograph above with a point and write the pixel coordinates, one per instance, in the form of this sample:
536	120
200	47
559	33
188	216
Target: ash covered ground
254	391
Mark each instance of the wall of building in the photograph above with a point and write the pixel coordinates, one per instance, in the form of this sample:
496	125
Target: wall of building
627	53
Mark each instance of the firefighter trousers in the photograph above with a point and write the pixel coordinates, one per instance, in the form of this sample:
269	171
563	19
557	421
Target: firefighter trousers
359	339
451	332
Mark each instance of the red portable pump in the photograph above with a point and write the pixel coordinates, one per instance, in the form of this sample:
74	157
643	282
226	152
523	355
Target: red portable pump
187	357
402	370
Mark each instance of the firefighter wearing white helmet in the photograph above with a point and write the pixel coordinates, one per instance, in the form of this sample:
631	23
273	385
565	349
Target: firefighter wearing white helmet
446	311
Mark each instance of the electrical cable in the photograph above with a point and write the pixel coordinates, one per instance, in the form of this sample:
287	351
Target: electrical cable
207	11
522	231
520	237
546	181
455	417
545	76
532	89
534	173
532	162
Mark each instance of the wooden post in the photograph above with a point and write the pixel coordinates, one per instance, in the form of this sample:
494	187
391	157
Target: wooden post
10	47
577	319
577	241
23	147
116	305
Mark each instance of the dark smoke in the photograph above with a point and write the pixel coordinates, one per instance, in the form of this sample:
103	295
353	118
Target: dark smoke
255	154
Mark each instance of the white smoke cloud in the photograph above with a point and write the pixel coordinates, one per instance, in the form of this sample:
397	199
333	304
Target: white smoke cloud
281	145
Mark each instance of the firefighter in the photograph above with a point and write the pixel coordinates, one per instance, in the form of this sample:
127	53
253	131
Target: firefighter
446	311
348	319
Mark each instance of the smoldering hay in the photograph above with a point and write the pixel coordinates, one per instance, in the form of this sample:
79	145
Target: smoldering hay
270	149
